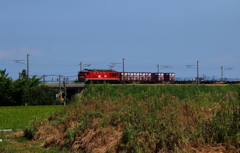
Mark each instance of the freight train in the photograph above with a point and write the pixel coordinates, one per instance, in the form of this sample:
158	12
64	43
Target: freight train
111	76
97	76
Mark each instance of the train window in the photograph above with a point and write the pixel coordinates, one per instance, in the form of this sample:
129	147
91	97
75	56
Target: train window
113	74
84	73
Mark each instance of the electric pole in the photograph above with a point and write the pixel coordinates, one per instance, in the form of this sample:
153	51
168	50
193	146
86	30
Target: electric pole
197	73
65	91
222	68
80	66
83	65
158	68
44	79
59	83
123	70
27	66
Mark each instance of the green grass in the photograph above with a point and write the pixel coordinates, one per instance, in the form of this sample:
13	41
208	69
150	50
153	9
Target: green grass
17	117
181	91
166	118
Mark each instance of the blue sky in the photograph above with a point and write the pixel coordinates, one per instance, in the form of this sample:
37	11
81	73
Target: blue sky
59	34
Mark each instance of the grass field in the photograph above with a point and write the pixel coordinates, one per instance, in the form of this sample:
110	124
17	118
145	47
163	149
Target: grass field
17	117
133	118
113	118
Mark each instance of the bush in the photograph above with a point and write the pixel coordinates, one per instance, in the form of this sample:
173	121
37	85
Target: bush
24	91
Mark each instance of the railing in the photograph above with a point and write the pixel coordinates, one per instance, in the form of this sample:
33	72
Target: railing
62	84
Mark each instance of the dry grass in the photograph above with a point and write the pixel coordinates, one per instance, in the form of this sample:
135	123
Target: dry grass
144	120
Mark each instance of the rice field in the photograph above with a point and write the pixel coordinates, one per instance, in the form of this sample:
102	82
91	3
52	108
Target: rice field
18	117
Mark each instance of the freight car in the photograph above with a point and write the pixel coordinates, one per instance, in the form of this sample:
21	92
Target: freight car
110	76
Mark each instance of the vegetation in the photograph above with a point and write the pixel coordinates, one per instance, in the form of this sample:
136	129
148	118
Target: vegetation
18	117
138	118
19	144
24	91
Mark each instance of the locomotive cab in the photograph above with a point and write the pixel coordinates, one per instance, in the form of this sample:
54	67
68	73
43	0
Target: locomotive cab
98	76
82	75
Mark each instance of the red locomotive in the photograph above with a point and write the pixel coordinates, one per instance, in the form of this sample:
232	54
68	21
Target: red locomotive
98	76
110	76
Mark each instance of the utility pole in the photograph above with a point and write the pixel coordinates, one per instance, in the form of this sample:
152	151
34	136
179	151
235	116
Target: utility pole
27	66
123	70
19	76
44	79
65	91
83	65
59	79
222	68
80	66
197	73
158	68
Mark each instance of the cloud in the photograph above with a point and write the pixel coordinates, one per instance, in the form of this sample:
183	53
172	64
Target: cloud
226	59
54	49
19	53
8	54
24	51
5	54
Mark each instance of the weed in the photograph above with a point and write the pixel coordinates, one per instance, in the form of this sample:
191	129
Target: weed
31	129
161	118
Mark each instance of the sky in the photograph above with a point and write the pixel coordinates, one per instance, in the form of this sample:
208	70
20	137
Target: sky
183	37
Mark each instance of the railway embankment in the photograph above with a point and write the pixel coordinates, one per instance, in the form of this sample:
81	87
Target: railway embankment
166	118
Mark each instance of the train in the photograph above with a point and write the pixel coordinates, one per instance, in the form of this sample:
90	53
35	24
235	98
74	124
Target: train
115	77
98	76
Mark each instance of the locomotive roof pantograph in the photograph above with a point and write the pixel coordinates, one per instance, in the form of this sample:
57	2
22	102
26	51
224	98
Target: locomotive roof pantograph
99	70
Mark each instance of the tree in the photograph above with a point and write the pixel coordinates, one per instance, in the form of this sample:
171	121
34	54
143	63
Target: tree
24	90
41	95
5	89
